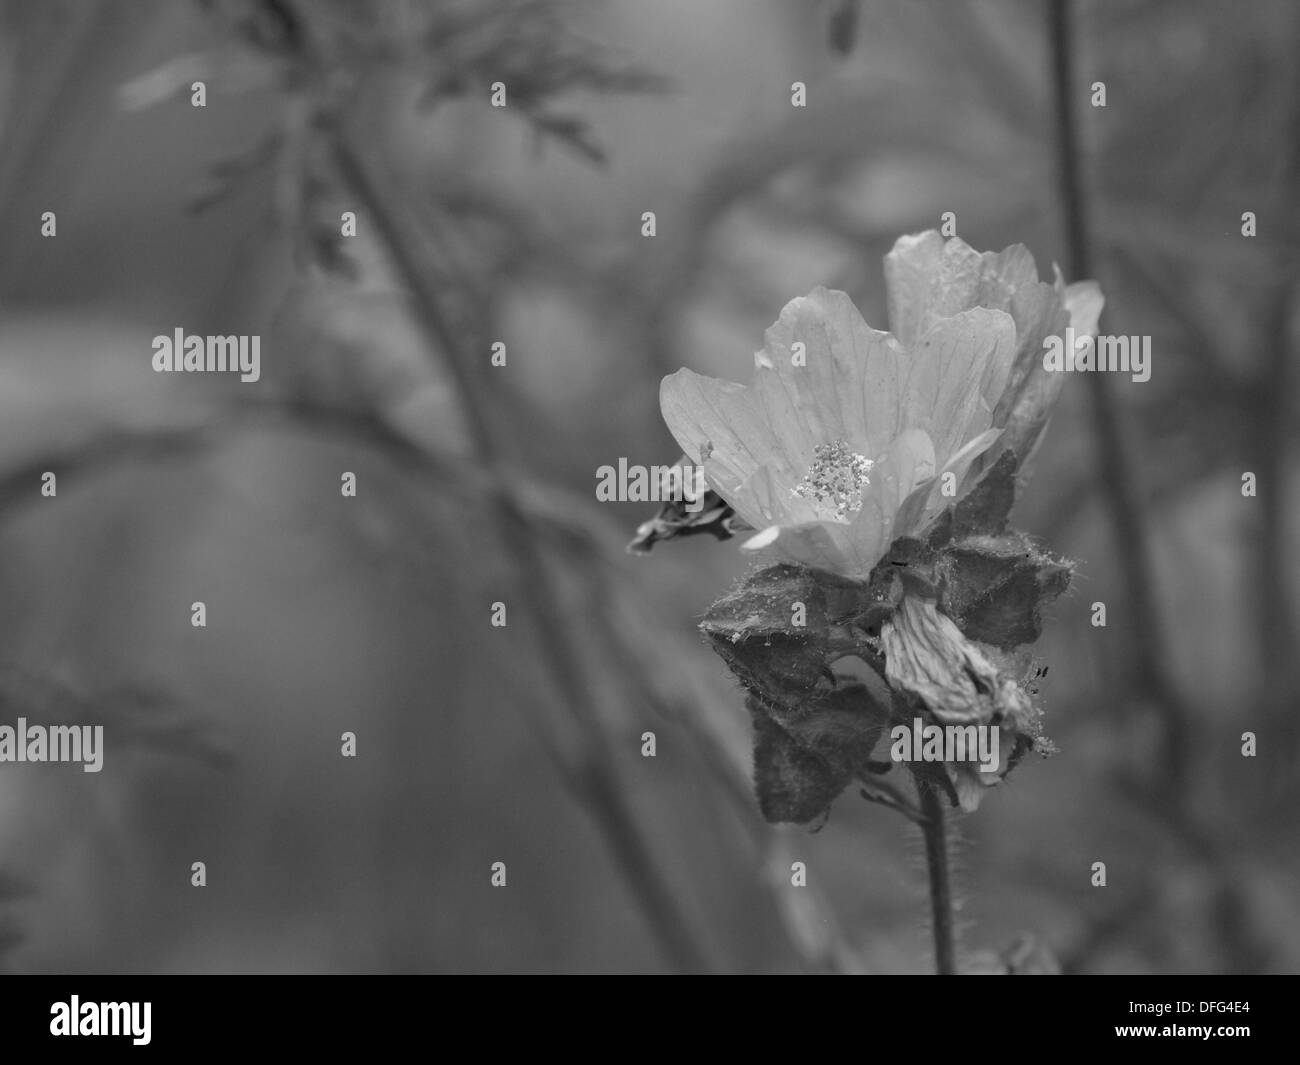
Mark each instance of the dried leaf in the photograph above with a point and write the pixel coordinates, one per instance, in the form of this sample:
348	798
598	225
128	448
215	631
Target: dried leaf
927	655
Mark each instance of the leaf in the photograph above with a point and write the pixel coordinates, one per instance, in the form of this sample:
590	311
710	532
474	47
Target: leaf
993	583
763	606
801	765
792	784
753	629
995	588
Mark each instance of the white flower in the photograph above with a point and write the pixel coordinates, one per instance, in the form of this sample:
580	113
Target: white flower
835	450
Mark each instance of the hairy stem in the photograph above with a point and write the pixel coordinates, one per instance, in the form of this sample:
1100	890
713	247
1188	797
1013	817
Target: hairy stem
936	858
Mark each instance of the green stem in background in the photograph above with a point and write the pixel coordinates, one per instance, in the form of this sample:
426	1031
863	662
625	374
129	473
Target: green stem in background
936	859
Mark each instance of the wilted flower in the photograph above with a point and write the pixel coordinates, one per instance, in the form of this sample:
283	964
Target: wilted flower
879	469
841	442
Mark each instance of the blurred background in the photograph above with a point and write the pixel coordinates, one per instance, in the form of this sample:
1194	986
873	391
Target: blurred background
522	225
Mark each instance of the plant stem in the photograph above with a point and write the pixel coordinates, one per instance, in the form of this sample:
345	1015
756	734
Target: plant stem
936	858
1150	664
582	744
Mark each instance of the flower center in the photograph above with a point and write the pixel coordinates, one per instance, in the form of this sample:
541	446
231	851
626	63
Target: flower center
835	480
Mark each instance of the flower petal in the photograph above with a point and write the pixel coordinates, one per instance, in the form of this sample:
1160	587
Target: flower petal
928	278
774	501
847	386
908	462
970	784
949	364
820	544
927	655
1032	391
1039	313
1084	302
715	423
909	267
928	499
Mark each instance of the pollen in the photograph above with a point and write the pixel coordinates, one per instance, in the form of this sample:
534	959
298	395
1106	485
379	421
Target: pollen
835	480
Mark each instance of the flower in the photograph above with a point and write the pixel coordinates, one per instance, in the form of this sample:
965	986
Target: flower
842	440
959	683
926	654
880	469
